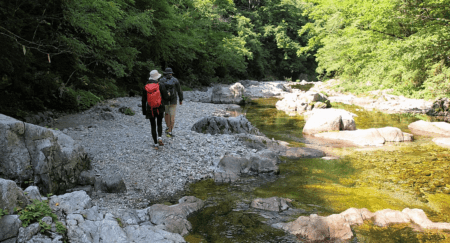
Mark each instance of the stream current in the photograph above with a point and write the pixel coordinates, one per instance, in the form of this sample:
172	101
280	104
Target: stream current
395	176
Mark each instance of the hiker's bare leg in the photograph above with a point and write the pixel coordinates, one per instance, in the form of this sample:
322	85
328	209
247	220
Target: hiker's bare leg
172	122
167	120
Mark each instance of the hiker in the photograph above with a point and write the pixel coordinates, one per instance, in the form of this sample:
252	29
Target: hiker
173	88
152	108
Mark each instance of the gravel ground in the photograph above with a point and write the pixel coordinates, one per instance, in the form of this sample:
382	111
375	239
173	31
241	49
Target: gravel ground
124	146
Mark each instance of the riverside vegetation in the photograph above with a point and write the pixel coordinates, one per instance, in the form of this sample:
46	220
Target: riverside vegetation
65	55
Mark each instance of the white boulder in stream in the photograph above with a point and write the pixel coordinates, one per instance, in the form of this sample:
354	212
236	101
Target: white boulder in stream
300	102
440	129
369	137
326	120
337	227
443	142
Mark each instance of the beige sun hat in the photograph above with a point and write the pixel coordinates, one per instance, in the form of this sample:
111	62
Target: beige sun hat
154	75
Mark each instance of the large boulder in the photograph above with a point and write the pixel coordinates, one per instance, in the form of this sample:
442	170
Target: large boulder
439	129
318	228
369	137
11	196
47	157
9	227
327	120
274	204
174	218
300	102
70	203
222	125
224	94
232	165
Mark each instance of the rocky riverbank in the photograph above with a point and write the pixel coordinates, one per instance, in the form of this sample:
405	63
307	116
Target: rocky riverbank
127	174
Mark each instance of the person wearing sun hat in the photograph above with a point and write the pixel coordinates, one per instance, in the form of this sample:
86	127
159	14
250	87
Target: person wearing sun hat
156	114
173	88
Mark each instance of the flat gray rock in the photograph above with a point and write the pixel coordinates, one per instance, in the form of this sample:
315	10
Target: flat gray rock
9	226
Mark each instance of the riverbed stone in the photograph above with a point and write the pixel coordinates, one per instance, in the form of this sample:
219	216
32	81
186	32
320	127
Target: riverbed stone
25	234
274	204
444	142
49	158
318	228
369	137
11	196
69	203
326	120
225	94
299	102
419	217
174	218
434	129
40	238
221	125
32	192
386	217
232	165
9	226
356	216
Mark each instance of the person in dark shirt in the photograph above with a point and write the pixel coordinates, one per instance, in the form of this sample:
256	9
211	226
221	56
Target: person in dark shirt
156	114
174	90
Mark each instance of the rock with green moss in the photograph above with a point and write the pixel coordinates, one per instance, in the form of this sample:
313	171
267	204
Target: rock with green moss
11	196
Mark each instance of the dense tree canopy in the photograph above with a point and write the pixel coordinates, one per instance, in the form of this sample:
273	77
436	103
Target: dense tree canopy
68	55
398	44
58	54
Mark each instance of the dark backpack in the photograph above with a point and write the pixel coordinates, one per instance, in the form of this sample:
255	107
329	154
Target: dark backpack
153	96
171	88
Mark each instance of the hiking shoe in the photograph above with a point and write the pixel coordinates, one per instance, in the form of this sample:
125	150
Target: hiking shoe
167	130
160	142
169	135
156	146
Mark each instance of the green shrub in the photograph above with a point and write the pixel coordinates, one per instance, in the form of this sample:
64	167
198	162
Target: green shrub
129	112
185	88
35	211
3	212
60	228
85	99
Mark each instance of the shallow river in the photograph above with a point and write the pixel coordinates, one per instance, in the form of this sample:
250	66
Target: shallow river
396	176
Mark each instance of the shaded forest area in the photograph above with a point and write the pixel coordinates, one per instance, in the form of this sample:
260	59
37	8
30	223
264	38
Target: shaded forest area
67	55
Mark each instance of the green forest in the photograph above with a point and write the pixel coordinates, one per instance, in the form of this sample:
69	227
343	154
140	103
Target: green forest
67	55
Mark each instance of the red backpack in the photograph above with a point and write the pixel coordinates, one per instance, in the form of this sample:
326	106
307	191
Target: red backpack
153	96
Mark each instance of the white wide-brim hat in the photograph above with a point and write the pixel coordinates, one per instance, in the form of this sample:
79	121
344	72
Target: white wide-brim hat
154	75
